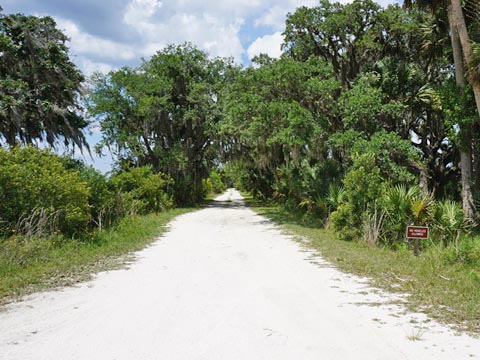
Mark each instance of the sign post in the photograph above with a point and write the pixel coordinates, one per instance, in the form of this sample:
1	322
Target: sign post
416	233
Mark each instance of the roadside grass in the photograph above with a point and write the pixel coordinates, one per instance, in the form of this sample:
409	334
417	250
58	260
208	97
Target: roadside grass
447	292
30	265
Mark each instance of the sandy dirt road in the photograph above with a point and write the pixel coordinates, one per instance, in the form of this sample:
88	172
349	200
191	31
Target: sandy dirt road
223	284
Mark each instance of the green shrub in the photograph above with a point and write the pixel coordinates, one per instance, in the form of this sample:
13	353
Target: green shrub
218	184
467	252
342	223
101	199
363	185
35	186
304	187
397	202
141	191
450	222
236	173
207	186
336	196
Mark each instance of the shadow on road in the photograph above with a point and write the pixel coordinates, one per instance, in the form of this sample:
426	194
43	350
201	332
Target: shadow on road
232	204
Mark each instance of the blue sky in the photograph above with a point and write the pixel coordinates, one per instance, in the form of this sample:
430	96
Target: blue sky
108	34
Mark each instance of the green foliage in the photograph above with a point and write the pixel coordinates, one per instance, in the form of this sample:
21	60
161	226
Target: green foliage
376	165
32	179
39	85
101	200
365	91
305	186
364	182
45	194
460	111
361	105
467	252
163	114
217	182
342	34
404	206
393	156
450	222
141	191
336	196
274	113
342	221
363	187
236	174
207	187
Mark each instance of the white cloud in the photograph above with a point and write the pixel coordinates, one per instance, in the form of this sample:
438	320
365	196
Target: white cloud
275	15
88	67
216	27
139	12
218	36
268	44
222	9
82	43
151	48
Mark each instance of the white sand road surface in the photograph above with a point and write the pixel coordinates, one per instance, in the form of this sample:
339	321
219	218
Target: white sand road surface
223	284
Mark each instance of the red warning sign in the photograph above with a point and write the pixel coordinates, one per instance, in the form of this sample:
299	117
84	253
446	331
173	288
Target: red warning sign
417	232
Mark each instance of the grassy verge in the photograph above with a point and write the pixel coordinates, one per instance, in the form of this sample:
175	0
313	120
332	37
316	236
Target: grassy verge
29	265
447	292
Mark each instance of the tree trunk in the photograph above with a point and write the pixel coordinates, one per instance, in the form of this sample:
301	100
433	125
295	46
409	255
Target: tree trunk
466	169
423	179
476	165
457	52
459	38
461	26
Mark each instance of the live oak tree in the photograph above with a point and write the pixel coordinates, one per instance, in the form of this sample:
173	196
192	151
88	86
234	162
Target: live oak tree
39	84
163	114
349	37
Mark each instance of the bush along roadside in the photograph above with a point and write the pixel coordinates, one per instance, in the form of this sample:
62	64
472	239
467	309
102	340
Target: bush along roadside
60	220
44	194
443	281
